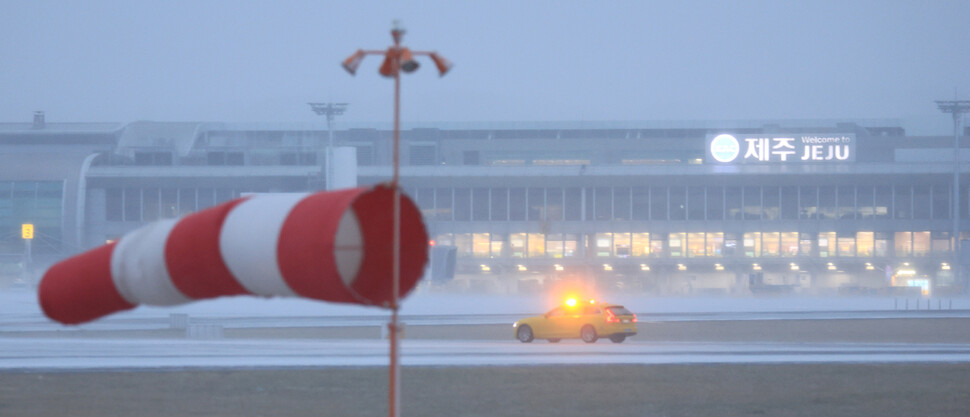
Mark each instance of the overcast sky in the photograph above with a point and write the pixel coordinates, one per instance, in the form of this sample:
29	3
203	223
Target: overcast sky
262	61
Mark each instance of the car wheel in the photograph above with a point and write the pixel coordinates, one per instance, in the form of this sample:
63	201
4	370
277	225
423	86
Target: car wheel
588	333
524	334
618	338
554	340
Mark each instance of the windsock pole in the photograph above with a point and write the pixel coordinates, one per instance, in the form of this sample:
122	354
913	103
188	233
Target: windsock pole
395	329
396	59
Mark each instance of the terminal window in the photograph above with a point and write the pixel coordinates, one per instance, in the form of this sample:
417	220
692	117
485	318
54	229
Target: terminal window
37	202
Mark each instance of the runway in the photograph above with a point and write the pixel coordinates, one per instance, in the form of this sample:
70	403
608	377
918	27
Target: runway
452	331
52	354
698	357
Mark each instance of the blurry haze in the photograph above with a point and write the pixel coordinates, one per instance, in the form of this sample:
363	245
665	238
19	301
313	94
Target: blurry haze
262	61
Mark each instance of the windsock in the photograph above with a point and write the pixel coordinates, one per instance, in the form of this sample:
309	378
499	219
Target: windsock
331	246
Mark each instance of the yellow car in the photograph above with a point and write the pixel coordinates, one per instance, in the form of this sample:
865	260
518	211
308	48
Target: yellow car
587	321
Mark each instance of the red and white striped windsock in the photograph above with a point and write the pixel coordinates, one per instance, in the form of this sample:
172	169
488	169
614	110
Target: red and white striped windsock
331	246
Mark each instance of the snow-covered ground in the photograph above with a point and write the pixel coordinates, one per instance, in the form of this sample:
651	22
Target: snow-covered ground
19	312
52	354
21	305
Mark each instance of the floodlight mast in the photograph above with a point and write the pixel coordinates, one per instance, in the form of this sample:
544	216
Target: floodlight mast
329	110
396	59
956	108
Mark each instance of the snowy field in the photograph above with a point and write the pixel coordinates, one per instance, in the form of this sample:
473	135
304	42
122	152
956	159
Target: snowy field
17	305
31	341
102	354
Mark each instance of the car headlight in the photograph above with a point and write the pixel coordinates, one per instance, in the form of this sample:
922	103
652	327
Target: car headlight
516	324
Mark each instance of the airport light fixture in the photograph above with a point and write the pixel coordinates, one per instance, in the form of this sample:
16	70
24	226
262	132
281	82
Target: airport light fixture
397	59
330	110
956	108
27	233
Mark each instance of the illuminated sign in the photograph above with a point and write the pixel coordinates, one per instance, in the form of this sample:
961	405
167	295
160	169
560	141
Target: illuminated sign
729	148
724	148
27	231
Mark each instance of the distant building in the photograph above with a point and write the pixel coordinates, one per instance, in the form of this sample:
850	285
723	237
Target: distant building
729	207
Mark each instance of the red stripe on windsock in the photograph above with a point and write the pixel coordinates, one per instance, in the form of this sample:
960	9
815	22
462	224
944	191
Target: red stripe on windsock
374	279
193	258
80	288
306	242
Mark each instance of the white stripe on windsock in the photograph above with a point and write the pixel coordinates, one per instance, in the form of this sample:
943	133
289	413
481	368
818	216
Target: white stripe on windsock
248	243
138	266
348	247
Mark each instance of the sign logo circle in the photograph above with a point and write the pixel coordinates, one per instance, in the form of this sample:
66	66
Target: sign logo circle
725	148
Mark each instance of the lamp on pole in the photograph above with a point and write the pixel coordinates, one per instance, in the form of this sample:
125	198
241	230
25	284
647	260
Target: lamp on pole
397	58
27	233
956	108
330	110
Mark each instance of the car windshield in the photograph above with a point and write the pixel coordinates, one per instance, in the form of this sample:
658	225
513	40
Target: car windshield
620	311
558	311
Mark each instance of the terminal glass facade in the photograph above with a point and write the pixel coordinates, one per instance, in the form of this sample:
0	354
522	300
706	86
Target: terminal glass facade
37	202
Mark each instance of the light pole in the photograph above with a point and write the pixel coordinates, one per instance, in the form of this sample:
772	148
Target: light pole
396	59
956	108
27	233
330	110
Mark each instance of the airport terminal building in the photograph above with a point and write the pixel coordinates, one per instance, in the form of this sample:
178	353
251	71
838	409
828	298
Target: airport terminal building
672	208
